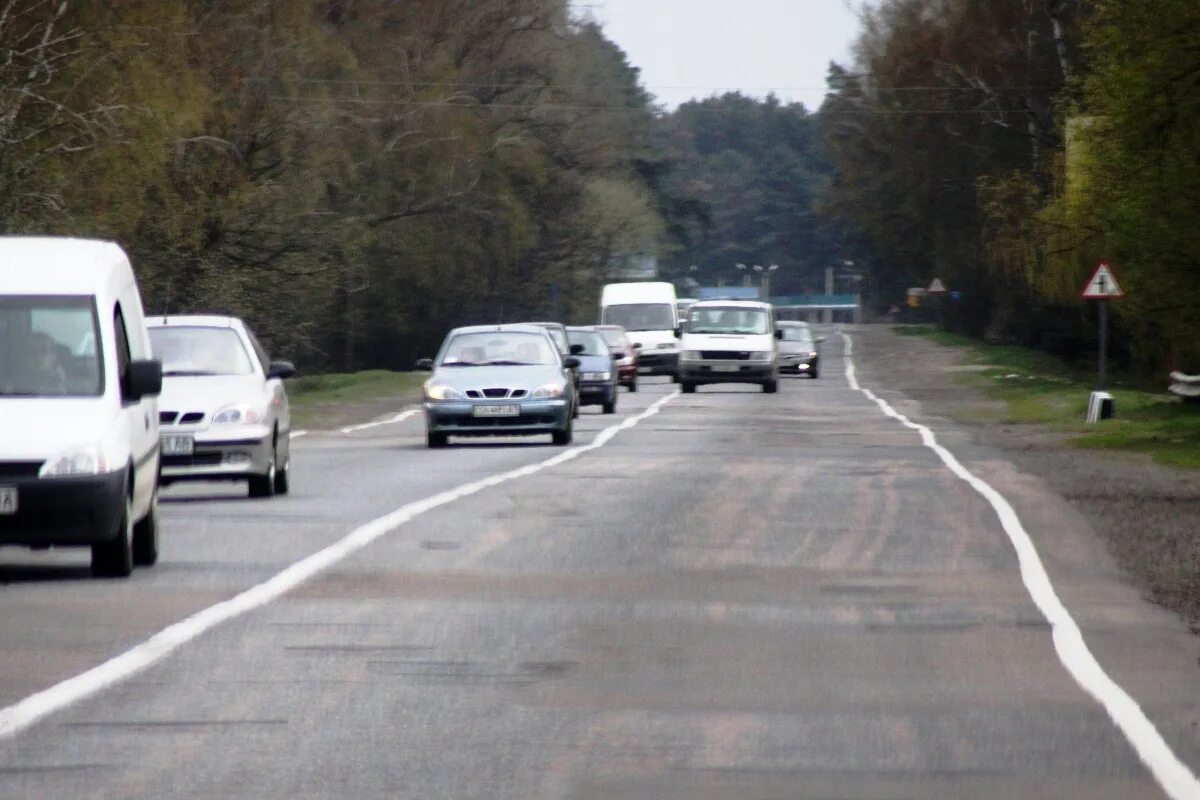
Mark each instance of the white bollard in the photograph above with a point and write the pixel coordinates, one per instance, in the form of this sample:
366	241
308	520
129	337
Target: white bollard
1100	406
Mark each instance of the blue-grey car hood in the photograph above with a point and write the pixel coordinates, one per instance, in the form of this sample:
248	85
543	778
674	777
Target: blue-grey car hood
595	363
528	378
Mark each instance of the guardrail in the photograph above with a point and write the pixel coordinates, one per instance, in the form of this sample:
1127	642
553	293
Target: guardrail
1186	386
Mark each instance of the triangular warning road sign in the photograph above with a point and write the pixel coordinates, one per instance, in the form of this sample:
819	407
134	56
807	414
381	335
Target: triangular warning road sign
1103	284
937	287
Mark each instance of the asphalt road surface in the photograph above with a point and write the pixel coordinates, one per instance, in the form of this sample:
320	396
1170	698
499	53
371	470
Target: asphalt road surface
742	595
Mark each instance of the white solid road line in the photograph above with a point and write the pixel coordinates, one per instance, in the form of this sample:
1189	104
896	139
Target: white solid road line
26	712
400	417
1175	778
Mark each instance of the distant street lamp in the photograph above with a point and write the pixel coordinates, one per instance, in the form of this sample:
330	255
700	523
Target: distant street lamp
745	274
766	278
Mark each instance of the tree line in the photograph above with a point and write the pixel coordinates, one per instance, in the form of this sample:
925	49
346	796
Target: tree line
1008	148
354	177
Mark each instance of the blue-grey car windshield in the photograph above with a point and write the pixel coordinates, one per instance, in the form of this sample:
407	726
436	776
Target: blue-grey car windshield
729	320
484	349
193	350
593	343
49	347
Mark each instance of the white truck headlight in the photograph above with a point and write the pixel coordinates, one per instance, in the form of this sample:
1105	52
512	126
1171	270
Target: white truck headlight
75	463
235	415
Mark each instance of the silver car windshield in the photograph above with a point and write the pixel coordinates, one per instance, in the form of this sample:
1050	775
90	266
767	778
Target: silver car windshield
194	350
50	347
801	335
498	349
729	319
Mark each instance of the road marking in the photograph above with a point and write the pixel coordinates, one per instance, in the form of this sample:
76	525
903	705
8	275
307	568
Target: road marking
26	712
298	434
1175	778
403	415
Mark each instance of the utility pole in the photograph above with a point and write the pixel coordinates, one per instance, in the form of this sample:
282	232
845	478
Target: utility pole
827	316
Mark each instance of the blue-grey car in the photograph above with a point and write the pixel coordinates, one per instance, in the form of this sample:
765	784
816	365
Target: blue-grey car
597	368
499	380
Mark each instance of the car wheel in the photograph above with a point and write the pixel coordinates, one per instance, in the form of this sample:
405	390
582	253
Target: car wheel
675	379
633	385
770	387
688	387
611	406
145	536
264	485
436	441
563	437
114	558
282	482
815	371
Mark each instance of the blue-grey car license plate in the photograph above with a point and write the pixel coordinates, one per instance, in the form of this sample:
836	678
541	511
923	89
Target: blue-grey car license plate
496	411
8	500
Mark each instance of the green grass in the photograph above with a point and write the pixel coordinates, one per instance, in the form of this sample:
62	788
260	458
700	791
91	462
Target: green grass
1037	388
315	397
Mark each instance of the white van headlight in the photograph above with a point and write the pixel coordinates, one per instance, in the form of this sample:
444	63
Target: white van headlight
690	355
765	355
75	463
234	415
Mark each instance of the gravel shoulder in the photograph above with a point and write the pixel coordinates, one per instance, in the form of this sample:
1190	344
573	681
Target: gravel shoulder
1146	513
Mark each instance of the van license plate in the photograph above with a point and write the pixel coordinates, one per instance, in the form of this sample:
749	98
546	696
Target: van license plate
177	445
8	500
726	368
497	411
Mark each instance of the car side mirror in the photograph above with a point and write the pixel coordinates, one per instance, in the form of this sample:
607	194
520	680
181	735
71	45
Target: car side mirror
779	334
637	345
143	379
424	365
281	369
571	362
576	349
678	331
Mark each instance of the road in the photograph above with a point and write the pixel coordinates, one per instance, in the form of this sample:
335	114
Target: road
741	595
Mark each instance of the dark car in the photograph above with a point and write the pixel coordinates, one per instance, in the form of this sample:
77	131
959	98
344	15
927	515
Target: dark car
799	350
558	332
625	353
499	380
597	368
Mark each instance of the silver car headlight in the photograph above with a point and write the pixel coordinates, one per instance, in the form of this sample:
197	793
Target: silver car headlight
238	415
439	391
548	392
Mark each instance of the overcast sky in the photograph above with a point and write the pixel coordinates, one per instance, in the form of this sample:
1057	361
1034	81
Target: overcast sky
690	48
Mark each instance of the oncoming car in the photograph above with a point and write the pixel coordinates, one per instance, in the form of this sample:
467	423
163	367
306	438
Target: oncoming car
799	352
224	412
597	369
499	380
625	354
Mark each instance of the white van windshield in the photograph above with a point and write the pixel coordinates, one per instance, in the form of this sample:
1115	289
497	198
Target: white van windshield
50	347
641	316
194	351
729	319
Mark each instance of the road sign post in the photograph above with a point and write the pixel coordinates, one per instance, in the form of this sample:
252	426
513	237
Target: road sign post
1102	287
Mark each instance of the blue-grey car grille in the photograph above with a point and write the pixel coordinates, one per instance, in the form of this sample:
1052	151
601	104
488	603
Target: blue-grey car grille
497	394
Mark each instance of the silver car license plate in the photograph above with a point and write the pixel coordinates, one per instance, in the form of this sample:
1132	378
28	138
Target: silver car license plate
726	368
178	445
8	500
497	411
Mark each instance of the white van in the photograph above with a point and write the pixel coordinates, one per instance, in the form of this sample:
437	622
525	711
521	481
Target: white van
648	313
729	341
79	449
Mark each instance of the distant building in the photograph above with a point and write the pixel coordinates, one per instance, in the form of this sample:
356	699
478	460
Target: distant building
728	293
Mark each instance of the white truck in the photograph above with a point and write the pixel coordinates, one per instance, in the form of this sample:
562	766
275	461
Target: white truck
647	311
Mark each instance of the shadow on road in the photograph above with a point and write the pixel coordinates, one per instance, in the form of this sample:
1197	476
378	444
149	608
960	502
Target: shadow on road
43	573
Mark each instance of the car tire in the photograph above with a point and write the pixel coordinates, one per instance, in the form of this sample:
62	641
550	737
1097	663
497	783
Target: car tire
815	371
262	486
114	558
611	406
564	436
436	441
633	385
282	481
770	387
687	387
145	536
676	379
